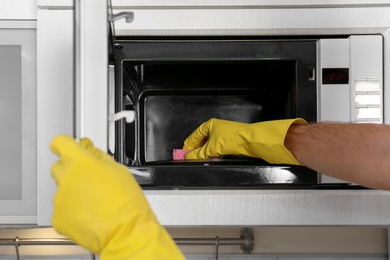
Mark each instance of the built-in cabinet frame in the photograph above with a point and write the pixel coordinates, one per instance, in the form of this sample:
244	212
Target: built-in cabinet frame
202	207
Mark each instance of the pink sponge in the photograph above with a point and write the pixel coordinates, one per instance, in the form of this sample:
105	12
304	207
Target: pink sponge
179	154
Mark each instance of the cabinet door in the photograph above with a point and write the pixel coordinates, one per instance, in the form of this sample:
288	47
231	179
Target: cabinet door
18	175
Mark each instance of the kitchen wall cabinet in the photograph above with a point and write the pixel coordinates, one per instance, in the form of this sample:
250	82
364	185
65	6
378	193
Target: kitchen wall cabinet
208	207
18	156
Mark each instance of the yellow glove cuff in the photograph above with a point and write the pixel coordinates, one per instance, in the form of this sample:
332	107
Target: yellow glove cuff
269	144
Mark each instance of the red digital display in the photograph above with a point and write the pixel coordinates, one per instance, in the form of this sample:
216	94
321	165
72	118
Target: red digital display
335	76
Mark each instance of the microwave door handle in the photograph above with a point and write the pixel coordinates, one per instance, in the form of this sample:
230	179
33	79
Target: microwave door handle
128	115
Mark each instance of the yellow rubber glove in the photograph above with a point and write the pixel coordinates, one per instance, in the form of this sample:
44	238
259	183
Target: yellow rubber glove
263	140
100	206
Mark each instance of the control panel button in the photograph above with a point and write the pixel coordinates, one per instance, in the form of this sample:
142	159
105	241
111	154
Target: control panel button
367	87
368	113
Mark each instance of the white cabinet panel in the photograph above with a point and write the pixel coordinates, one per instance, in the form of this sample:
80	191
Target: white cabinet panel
54	3
18	9
270	207
18	181
218	4
254	21
55	96
248	3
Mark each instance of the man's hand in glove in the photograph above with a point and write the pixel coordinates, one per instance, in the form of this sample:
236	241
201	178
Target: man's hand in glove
263	140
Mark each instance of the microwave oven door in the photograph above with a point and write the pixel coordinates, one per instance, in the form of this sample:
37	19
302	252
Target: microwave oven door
90	75
93	33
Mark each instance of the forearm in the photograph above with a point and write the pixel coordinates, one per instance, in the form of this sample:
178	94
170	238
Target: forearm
358	153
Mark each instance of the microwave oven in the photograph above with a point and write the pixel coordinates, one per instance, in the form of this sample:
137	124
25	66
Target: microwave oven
226	205
166	87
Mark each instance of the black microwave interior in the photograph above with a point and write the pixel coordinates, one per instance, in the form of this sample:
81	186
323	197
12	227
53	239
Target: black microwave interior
174	86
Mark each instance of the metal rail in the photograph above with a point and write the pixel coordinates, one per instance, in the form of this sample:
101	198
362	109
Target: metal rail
246	241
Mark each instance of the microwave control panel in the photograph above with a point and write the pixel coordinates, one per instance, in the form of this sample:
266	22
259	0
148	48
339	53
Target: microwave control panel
350	81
